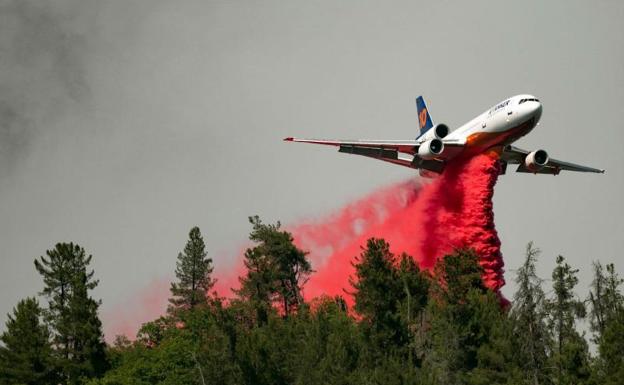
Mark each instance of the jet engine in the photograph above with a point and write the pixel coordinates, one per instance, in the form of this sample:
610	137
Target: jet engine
536	160
430	149
439	131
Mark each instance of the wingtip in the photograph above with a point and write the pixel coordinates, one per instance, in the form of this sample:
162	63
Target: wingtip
289	139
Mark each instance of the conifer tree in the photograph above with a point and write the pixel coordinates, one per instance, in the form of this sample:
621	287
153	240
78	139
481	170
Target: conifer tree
415	284
462	313
528	316
193	271
26	357
607	323
605	298
570	355
610	362
78	340
276	270
374	281
389	294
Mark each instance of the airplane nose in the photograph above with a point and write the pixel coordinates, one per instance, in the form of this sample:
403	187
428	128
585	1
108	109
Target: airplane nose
537	111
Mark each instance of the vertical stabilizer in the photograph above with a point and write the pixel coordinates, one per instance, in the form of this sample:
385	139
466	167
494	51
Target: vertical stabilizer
424	119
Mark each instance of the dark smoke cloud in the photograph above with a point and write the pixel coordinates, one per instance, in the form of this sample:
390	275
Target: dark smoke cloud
42	71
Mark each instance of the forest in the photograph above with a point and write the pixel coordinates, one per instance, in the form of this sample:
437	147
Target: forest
396	324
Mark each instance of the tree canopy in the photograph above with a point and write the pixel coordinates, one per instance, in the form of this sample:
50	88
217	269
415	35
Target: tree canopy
396	324
194	274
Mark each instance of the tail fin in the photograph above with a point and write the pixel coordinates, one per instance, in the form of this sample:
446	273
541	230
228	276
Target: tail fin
424	119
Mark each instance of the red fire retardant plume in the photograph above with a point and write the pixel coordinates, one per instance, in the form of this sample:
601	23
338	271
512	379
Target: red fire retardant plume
424	220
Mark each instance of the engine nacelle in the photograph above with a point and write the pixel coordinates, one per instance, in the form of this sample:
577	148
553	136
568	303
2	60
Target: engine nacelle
430	149
439	131
536	160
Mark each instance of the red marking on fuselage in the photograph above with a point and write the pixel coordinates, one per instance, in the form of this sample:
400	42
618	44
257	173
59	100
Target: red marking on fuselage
481	141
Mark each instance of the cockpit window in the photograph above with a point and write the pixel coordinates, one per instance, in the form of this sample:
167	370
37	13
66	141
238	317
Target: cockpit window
528	100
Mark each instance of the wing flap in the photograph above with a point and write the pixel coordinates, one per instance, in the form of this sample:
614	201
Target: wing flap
374	152
401	152
406	146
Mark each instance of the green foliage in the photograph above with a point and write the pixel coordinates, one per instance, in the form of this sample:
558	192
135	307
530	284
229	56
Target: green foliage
462	315
607	322
570	351
375	292
192	349
605	298
193	271
407	326
316	345
611	360
72	313
152	333
389	295
528	317
276	271
497	360
26	357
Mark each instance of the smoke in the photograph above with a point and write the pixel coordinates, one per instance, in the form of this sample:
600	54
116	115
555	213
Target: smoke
42	71
425	221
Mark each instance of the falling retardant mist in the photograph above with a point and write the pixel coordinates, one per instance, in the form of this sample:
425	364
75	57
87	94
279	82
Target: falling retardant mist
424	219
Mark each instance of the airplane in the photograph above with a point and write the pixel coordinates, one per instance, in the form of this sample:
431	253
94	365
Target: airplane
494	130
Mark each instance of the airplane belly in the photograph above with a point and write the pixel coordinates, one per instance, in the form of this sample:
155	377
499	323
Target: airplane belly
498	135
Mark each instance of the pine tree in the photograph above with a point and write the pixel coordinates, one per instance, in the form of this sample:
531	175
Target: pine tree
611	348
375	290
415	285
257	288
390	293
276	271
193	270
461	314
78	340
528	316
374	280
497	361
570	355
26	357
607	323
605	298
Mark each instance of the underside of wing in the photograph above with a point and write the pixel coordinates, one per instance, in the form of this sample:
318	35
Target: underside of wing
528	162
401	152
435	165
405	146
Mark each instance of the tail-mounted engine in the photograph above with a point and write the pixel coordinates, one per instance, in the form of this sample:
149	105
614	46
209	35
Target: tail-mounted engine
430	149
439	131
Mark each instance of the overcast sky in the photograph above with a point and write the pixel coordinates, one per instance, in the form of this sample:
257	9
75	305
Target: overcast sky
125	123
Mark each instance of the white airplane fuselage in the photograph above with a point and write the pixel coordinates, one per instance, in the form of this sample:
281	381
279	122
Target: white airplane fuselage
500	125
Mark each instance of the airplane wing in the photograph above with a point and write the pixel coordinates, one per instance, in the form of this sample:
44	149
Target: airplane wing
515	155
405	146
401	152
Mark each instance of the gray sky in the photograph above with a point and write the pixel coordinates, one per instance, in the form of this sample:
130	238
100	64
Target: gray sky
123	124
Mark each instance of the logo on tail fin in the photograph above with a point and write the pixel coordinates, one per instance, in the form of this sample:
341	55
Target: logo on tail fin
422	117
